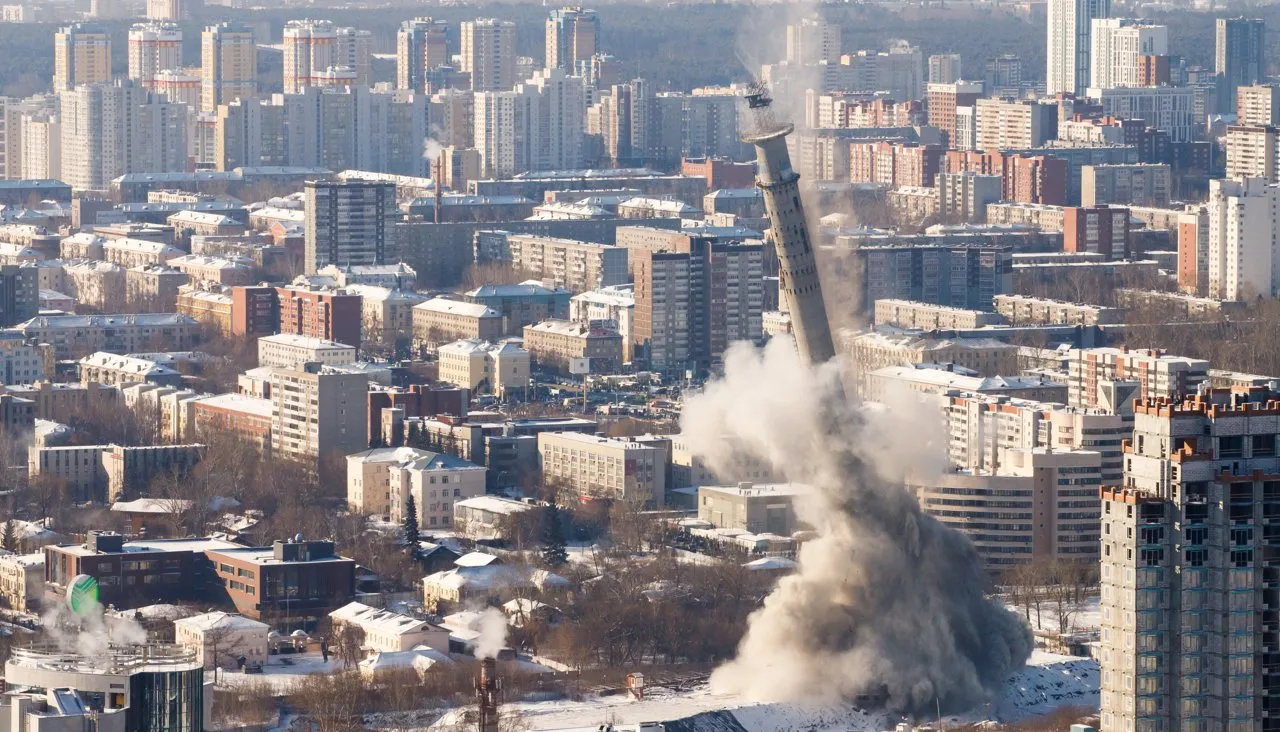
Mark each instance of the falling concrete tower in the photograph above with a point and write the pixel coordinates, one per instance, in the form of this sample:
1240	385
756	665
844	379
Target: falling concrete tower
797	268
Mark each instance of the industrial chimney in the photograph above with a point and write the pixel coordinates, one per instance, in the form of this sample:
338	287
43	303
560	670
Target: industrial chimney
487	687
797	271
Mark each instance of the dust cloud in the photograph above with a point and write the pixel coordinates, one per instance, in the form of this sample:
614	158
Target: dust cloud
886	601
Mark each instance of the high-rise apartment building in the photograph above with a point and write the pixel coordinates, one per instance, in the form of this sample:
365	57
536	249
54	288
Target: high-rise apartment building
1038	503
1258	105
945	98
422	44
573	34
153	47
715	287
313	48
337	128
945	68
41	140
169	11
625	114
1141	184
228	65
557	107
1244	262
1018	124
19	294
452	115
317	412
1240	57
488	49
112	129
1111	378
1118	46
1070	42
813	40
983	426
1252	151
1191	567
348	223
81	55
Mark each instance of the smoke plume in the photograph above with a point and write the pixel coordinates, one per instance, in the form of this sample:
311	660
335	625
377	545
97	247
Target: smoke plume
886	601
90	634
493	633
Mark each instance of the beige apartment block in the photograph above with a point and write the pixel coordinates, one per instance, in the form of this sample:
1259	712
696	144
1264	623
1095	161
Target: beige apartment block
318	412
438	321
369	481
436	482
927	316
290	349
555	343
495	368
605	467
1040	504
1023	310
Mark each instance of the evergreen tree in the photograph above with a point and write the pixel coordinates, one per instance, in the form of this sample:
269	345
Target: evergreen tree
553	543
376	442
10	536
411	525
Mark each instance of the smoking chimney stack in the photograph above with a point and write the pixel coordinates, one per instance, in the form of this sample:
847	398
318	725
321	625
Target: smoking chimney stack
798	270
487	687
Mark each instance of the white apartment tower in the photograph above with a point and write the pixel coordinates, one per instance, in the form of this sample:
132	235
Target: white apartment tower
557	108
1258	105
572	38
228	65
1118	44
153	47
422	44
489	54
81	55
500	132
1243	260
813	40
1253	151
1070	43
1191	568
110	130
313	47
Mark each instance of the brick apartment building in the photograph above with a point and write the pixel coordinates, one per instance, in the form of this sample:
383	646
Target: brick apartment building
1027	178
894	163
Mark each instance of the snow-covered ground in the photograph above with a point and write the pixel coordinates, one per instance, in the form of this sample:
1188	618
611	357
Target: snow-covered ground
282	675
1088	616
1049	681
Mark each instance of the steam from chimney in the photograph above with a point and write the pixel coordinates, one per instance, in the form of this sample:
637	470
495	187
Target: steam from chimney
493	633
91	634
886	601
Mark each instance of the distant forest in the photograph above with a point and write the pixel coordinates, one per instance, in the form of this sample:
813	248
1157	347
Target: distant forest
676	47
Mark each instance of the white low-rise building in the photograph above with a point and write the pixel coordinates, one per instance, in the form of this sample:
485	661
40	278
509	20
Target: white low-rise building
386	631
221	639
286	350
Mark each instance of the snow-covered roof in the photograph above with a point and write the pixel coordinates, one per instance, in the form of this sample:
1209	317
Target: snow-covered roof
775	564
476	559
159	506
457	307
219	620
376	619
494	504
420	659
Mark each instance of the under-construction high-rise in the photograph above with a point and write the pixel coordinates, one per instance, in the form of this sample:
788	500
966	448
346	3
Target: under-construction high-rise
797	267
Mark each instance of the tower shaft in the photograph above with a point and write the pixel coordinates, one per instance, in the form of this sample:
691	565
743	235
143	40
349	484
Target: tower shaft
797	267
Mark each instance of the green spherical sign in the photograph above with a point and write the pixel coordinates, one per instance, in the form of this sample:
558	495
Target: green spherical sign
82	594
